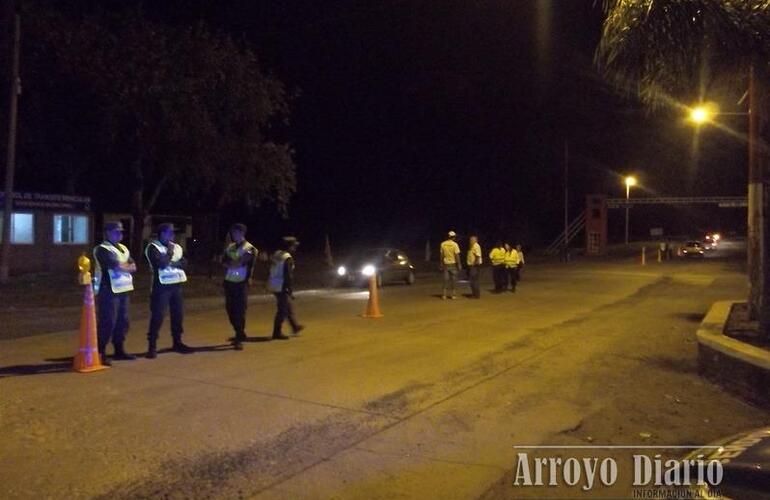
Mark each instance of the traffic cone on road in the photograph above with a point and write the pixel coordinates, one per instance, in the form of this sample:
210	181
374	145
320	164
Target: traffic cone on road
373	305
87	358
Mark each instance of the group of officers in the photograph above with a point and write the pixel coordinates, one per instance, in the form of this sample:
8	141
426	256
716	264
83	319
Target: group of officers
507	262
113	280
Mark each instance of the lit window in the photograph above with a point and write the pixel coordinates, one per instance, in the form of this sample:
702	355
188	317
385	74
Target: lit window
22	228
70	229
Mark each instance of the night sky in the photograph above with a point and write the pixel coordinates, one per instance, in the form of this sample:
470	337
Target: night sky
413	117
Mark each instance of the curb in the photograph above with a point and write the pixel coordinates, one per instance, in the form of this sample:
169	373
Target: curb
738	367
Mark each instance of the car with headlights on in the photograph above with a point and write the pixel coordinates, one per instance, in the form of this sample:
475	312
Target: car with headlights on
389	265
693	249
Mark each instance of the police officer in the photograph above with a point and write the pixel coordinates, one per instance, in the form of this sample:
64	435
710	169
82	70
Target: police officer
450	264
281	282
167	264
473	260
238	260
112	281
497	258
512	262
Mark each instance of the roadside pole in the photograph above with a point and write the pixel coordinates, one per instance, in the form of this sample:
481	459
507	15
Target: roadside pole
10	166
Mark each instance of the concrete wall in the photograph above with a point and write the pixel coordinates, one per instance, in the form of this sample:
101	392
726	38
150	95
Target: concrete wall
45	255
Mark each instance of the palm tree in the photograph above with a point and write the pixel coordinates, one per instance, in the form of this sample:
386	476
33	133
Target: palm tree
664	50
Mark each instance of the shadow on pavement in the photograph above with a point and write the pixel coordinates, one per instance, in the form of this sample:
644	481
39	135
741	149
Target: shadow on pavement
53	366
252	339
691	317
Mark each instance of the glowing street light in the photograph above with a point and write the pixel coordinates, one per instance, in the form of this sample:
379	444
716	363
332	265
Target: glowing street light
700	115
629	181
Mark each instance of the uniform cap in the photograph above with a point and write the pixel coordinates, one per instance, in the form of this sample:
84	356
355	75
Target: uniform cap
113	226
290	240
166	226
452	234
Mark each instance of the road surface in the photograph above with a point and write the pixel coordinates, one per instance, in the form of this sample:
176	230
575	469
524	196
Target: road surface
428	402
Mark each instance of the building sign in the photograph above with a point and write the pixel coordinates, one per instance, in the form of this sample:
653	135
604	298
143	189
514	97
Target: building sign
39	201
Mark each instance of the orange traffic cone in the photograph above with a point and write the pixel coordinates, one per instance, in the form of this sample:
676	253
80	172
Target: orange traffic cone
87	358
373	305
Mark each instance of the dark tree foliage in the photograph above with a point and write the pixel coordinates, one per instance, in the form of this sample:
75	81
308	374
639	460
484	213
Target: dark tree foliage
155	109
659	48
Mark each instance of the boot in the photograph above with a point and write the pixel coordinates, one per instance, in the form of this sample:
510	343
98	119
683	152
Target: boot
152	351
121	354
280	336
103	358
180	347
298	328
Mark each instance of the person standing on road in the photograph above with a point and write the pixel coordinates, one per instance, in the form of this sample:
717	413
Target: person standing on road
281	283
497	258
520	268
473	260
512	262
238	259
113	269
450	264
167	263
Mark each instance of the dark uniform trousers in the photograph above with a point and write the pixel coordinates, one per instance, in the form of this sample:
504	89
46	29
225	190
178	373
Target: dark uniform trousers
513	277
162	298
499	277
284	311
473	279
112	322
236	301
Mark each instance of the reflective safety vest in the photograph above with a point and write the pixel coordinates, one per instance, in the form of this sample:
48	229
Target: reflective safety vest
120	281
512	258
275	281
169	275
241	273
497	256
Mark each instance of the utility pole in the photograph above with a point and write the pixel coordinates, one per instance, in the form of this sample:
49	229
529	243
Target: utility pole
566	201
10	166
759	303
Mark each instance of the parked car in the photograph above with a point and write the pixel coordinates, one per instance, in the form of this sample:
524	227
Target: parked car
693	249
745	460
387	264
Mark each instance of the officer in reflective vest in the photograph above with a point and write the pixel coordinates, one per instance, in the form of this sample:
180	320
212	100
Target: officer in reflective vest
167	264
112	281
238	260
281	282
497	258
512	262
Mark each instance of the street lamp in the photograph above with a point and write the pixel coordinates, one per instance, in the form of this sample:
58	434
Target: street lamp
700	114
629	181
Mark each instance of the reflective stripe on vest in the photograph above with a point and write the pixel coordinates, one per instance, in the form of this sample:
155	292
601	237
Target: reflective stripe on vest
275	281
238	274
120	281
497	256
168	275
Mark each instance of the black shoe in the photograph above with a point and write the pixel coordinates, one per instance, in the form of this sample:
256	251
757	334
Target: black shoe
123	356
237	345
280	336
104	359
298	329
181	348
152	352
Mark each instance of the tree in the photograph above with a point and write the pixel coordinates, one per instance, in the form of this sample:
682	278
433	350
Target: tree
667	51
180	109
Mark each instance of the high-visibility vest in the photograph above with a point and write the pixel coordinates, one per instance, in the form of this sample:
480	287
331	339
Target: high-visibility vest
512	258
120	281
497	256
169	275
275	280
241	273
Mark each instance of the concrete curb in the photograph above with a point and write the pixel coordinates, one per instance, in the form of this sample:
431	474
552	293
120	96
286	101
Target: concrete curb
738	367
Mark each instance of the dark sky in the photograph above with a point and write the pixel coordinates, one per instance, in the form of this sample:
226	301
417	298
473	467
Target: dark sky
417	116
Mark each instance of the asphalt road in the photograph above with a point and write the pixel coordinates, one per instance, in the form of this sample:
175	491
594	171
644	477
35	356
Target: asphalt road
428	402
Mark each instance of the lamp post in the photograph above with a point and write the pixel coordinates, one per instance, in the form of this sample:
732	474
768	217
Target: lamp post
629	181
758	239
